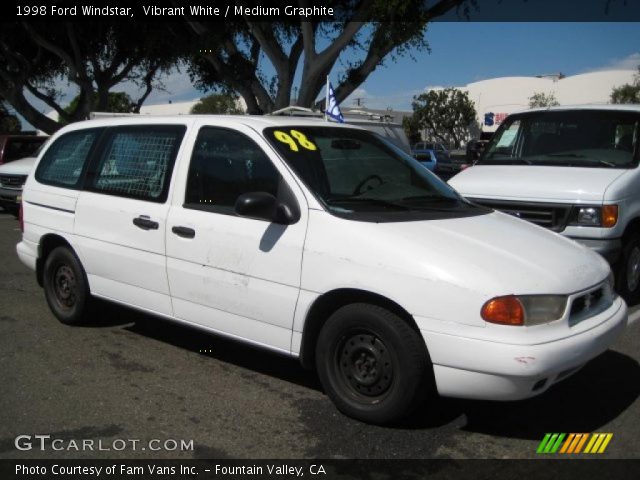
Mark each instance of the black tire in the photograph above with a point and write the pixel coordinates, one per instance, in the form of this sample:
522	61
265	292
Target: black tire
65	287
372	364
628	270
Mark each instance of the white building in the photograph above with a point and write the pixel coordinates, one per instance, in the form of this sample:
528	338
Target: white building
497	97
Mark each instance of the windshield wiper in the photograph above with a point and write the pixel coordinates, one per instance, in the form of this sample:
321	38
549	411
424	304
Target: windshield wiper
431	198
371	201
566	155
589	160
508	161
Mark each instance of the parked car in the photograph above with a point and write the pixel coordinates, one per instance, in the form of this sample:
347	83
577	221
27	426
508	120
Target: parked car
16	146
436	157
12	178
572	170
319	241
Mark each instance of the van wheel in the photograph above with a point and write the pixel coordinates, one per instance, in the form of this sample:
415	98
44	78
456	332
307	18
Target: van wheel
65	286
371	363
628	271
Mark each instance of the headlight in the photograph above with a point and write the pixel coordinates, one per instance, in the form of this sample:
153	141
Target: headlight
524	309
588	216
591	216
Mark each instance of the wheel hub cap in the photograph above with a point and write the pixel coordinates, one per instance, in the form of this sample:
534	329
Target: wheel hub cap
65	286
366	365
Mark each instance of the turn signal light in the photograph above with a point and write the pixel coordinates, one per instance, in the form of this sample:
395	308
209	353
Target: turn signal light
609	215
504	311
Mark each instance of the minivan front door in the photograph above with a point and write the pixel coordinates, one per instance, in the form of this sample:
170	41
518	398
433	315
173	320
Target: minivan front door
235	275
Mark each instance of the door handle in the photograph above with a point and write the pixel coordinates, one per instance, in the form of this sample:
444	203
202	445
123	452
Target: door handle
145	223
185	232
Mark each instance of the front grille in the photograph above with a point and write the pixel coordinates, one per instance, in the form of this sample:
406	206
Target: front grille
591	303
12	181
551	216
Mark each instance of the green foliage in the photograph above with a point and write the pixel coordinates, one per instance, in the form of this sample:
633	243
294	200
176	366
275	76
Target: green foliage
217	103
629	92
445	114
118	102
541	100
411	129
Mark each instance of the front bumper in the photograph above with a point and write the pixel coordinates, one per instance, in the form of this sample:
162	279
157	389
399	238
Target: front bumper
10	198
485	370
609	248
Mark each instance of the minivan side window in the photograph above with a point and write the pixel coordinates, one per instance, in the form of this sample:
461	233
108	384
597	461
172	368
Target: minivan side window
136	162
224	165
64	161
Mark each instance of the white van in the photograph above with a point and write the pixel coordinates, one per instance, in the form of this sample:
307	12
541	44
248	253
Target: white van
324	242
572	170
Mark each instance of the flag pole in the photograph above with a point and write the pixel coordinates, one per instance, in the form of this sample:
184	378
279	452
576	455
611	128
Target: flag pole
326	99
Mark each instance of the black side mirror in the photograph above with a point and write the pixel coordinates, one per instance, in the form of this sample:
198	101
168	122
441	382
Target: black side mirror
264	206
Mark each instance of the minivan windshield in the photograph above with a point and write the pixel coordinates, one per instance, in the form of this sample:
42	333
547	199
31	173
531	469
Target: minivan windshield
360	175
567	138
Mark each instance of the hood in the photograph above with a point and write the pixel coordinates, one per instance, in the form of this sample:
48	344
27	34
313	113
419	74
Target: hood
535	183
428	266
500	254
18	167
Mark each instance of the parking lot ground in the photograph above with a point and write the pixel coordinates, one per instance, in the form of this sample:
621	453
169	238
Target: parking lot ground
131	376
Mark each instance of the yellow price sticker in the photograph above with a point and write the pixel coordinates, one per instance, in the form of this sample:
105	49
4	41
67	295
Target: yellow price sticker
290	138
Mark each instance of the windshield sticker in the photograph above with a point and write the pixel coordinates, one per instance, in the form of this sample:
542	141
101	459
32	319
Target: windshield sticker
290	138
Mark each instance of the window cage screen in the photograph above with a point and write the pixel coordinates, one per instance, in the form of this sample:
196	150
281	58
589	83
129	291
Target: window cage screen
136	163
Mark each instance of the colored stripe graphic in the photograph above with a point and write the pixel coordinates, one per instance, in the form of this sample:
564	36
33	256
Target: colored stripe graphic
573	443
550	443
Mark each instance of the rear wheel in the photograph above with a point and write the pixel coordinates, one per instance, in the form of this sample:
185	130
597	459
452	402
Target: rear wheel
65	286
371	363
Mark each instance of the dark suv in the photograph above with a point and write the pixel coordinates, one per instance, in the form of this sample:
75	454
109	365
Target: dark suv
14	147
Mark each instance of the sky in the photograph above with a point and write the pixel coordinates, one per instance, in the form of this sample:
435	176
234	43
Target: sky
465	52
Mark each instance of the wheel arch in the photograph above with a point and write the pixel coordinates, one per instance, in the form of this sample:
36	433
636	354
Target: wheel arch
633	226
328	303
47	244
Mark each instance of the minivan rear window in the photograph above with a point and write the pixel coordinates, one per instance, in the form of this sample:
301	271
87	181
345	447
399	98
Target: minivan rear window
64	161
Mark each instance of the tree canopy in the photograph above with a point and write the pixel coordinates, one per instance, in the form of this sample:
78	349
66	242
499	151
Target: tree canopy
94	57
259	61
541	99
446	114
629	92
221	103
368	33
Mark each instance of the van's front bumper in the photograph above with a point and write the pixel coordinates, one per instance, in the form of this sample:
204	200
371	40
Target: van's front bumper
486	370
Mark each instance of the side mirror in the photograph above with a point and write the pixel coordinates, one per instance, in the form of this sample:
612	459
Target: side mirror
264	206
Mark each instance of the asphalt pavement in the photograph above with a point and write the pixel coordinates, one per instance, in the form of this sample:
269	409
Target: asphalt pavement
132	376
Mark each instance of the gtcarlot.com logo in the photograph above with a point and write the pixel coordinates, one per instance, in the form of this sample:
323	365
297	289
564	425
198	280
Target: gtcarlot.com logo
46	442
573	443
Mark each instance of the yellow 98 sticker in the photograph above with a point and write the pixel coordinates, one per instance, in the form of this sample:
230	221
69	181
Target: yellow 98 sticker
294	139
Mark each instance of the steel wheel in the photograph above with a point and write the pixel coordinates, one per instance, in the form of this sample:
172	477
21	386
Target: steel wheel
633	269
365	364
372	363
65	286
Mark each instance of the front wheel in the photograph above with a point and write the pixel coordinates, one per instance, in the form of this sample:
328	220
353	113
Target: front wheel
371	363
65	286
628	271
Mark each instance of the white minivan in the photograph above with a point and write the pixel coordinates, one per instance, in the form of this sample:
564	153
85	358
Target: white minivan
573	170
321	241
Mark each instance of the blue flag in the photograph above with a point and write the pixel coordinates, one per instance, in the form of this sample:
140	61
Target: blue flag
333	110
